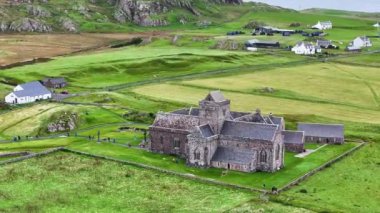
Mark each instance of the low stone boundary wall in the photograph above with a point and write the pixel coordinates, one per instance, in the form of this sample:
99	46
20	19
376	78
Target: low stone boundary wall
14	154
327	164
14	160
189	176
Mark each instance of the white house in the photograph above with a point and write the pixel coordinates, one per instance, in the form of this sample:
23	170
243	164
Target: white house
28	93
323	25
306	48
360	42
377	24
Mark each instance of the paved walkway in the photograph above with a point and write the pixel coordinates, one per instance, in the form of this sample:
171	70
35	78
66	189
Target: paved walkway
309	151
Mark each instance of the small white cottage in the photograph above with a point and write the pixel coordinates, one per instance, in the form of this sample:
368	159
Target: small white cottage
306	48
28	93
323	25
360	42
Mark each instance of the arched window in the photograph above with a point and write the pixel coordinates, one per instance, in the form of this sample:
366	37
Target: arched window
161	140
263	156
206	154
278	152
197	155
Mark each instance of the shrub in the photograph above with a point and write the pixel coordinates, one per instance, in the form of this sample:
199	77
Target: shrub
303	191
134	41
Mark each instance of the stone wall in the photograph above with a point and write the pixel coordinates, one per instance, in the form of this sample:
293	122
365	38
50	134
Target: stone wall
206	148
163	141
294	147
324	140
256	146
214	113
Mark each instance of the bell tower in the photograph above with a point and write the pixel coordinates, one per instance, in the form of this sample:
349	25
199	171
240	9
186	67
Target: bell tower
214	110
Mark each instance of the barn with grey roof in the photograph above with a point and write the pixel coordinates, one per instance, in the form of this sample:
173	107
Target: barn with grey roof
322	133
212	135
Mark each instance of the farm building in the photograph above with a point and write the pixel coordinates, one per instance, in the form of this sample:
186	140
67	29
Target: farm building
306	48
323	133
377	24
54	82
360	42
269	29
325	44
28	93
262	44
323	25
294	141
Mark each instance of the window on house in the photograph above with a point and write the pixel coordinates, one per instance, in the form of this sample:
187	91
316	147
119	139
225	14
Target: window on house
278	152
161	140
263	156
176	143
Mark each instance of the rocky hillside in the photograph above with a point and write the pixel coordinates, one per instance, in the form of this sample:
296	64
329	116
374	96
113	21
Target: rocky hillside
88	15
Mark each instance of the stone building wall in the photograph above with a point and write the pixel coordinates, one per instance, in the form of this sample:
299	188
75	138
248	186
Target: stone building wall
324	140
163	140
233	166
214	113
259	147
294	147
204	147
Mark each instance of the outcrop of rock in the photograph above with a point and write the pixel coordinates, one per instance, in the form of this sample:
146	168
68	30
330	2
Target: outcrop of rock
68	25
142	12
65	122
28	25
149	13
228	44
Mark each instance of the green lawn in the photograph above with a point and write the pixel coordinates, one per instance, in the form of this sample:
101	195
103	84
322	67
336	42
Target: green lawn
351	185
295	167
71	183
113	132
33	120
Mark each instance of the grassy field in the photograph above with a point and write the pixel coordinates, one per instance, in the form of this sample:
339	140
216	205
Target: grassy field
70	183
164	75
348	186
295	167
137	64
38	116
250	102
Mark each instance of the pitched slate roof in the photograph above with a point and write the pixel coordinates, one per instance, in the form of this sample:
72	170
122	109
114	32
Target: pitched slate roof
306	44
216	96
229	155
322	130
325	43
32	89
58	80
295	137
189	111
249	130
206	131
176	121
325	22
255	41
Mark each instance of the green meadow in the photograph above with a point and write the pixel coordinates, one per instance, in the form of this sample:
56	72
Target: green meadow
126	86
74	183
